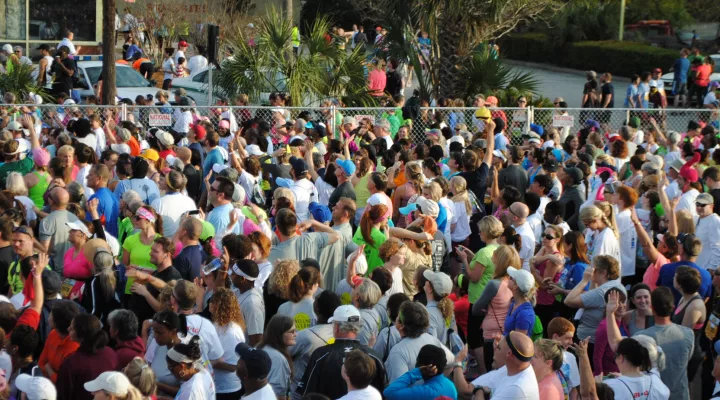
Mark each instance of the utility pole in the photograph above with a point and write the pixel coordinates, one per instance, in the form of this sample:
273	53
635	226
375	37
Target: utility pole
622	20
288	10
109	90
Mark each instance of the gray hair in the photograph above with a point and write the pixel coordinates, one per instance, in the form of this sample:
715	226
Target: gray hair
368	294
125	323
349	327
657	356
16	184
130	196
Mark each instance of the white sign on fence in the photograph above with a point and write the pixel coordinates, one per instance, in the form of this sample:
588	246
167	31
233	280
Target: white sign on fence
562	121
359	118
160	120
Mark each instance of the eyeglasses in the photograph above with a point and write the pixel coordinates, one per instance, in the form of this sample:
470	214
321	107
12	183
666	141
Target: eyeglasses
522	101
212	189
549	237
137	217
701	205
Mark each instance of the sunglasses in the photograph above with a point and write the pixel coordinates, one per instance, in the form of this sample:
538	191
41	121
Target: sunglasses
549	237
137	217
212	189
701	205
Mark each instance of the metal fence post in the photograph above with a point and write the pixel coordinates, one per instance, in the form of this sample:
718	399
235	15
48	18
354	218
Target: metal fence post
528	119
627	115
123	112
332	121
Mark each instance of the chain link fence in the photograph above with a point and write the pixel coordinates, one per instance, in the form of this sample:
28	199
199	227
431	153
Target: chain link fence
340	121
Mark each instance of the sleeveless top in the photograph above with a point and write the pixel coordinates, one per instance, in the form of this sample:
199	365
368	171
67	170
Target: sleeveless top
36	192
543	296
362	194
679	313
409	193
632	326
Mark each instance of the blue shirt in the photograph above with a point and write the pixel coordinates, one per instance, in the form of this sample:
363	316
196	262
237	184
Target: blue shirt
188	262
521	318
132	50
643	94
145	187
219	218
680	70
442	218
212	158
197	147
501	142
667	273
108	207
631	93
404	388
572	274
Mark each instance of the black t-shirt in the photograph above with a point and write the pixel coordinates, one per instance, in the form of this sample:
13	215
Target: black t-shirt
513	175
345	189
194	180
7	256
140	306
715	193
394	84
477	181
608	90
62	78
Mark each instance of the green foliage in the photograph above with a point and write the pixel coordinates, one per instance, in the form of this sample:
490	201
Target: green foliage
584	20
486	73
672	10
20	83
509	97
319	72
618	58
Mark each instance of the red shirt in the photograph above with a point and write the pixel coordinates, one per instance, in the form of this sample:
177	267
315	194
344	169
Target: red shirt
702	78
462	308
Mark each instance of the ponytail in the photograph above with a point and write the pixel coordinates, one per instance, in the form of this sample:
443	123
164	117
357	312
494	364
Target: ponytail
370	218
132	394
182	324
446	307
608	216
302	282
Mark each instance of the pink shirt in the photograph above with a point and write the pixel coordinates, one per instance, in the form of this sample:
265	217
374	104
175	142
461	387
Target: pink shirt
76	266
376	82
550	388
653	271
494	321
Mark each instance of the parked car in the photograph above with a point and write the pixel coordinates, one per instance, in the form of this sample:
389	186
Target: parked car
129	82
668	78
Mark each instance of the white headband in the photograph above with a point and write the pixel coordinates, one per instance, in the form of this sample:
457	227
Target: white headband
237	271
179	358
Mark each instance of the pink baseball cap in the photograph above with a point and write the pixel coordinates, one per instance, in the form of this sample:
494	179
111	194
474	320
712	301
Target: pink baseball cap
41	157
492	100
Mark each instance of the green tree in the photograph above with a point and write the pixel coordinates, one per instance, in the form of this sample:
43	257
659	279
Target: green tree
485	73
318	72
20	82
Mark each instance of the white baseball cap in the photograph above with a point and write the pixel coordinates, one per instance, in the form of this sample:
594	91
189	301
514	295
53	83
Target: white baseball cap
165	138
79	226
36	387
254	150
8	48
524	279
112	382
218	168
499	154
440	281
347	313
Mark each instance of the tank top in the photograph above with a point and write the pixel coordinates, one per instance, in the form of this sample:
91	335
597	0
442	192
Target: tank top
48	77
362	194
36	192
409	193
679	314
543	296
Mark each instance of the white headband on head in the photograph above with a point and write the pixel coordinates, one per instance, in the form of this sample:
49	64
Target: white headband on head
179	358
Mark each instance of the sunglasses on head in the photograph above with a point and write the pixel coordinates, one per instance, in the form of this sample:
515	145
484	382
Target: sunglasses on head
22	229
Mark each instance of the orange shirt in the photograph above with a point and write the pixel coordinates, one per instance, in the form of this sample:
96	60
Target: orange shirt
136	65
56	350
134	146
400	178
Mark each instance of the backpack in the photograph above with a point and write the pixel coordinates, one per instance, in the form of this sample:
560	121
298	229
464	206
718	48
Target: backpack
258	194
537	330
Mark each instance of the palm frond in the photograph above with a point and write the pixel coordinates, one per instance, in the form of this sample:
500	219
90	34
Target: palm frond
20	82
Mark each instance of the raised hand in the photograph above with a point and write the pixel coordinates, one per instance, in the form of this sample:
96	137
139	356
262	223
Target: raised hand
613	303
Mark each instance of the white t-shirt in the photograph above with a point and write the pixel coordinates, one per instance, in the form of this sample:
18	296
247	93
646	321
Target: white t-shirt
670	157
461	220
707	230
210	345
100	142
69	44
168	65
324	190
179	54
264	268
89	140
522	386
570	370
305	193
687	202
247	181
528	244
449	207
369	393
605	243
199	387
172	206
183	121
230	336
197	64
628	243
397	286
648	387
266	393
81	178
388	141
544	202
28	204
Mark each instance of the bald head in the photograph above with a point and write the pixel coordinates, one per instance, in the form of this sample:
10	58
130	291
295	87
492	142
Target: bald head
184	154
523	346
519	211
60	198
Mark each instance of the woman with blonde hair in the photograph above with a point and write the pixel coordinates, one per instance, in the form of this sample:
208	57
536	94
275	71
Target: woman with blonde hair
439	306
546	266
494	302
66	154
229	324
16	187
460	223
301	294
136	248
370	235
685	222
601	233
546	363
277	288
113	385
404	193
142	377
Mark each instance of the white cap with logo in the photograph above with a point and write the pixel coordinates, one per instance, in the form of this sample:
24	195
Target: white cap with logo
524	279
112	382
36	387
347	313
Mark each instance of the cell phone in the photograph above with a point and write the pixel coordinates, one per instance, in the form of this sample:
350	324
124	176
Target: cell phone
193	212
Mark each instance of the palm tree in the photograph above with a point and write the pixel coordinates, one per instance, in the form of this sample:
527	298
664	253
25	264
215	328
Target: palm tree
485	73
319	72
20	82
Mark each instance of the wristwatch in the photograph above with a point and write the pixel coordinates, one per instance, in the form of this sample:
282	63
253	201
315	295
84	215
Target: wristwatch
456	365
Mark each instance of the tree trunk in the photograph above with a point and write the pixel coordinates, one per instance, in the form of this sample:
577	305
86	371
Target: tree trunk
109	89
449	38
288	10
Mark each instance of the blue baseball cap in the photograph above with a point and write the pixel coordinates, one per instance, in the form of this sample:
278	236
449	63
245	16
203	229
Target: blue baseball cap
348	166
591	123
283	182
320	212
537	129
